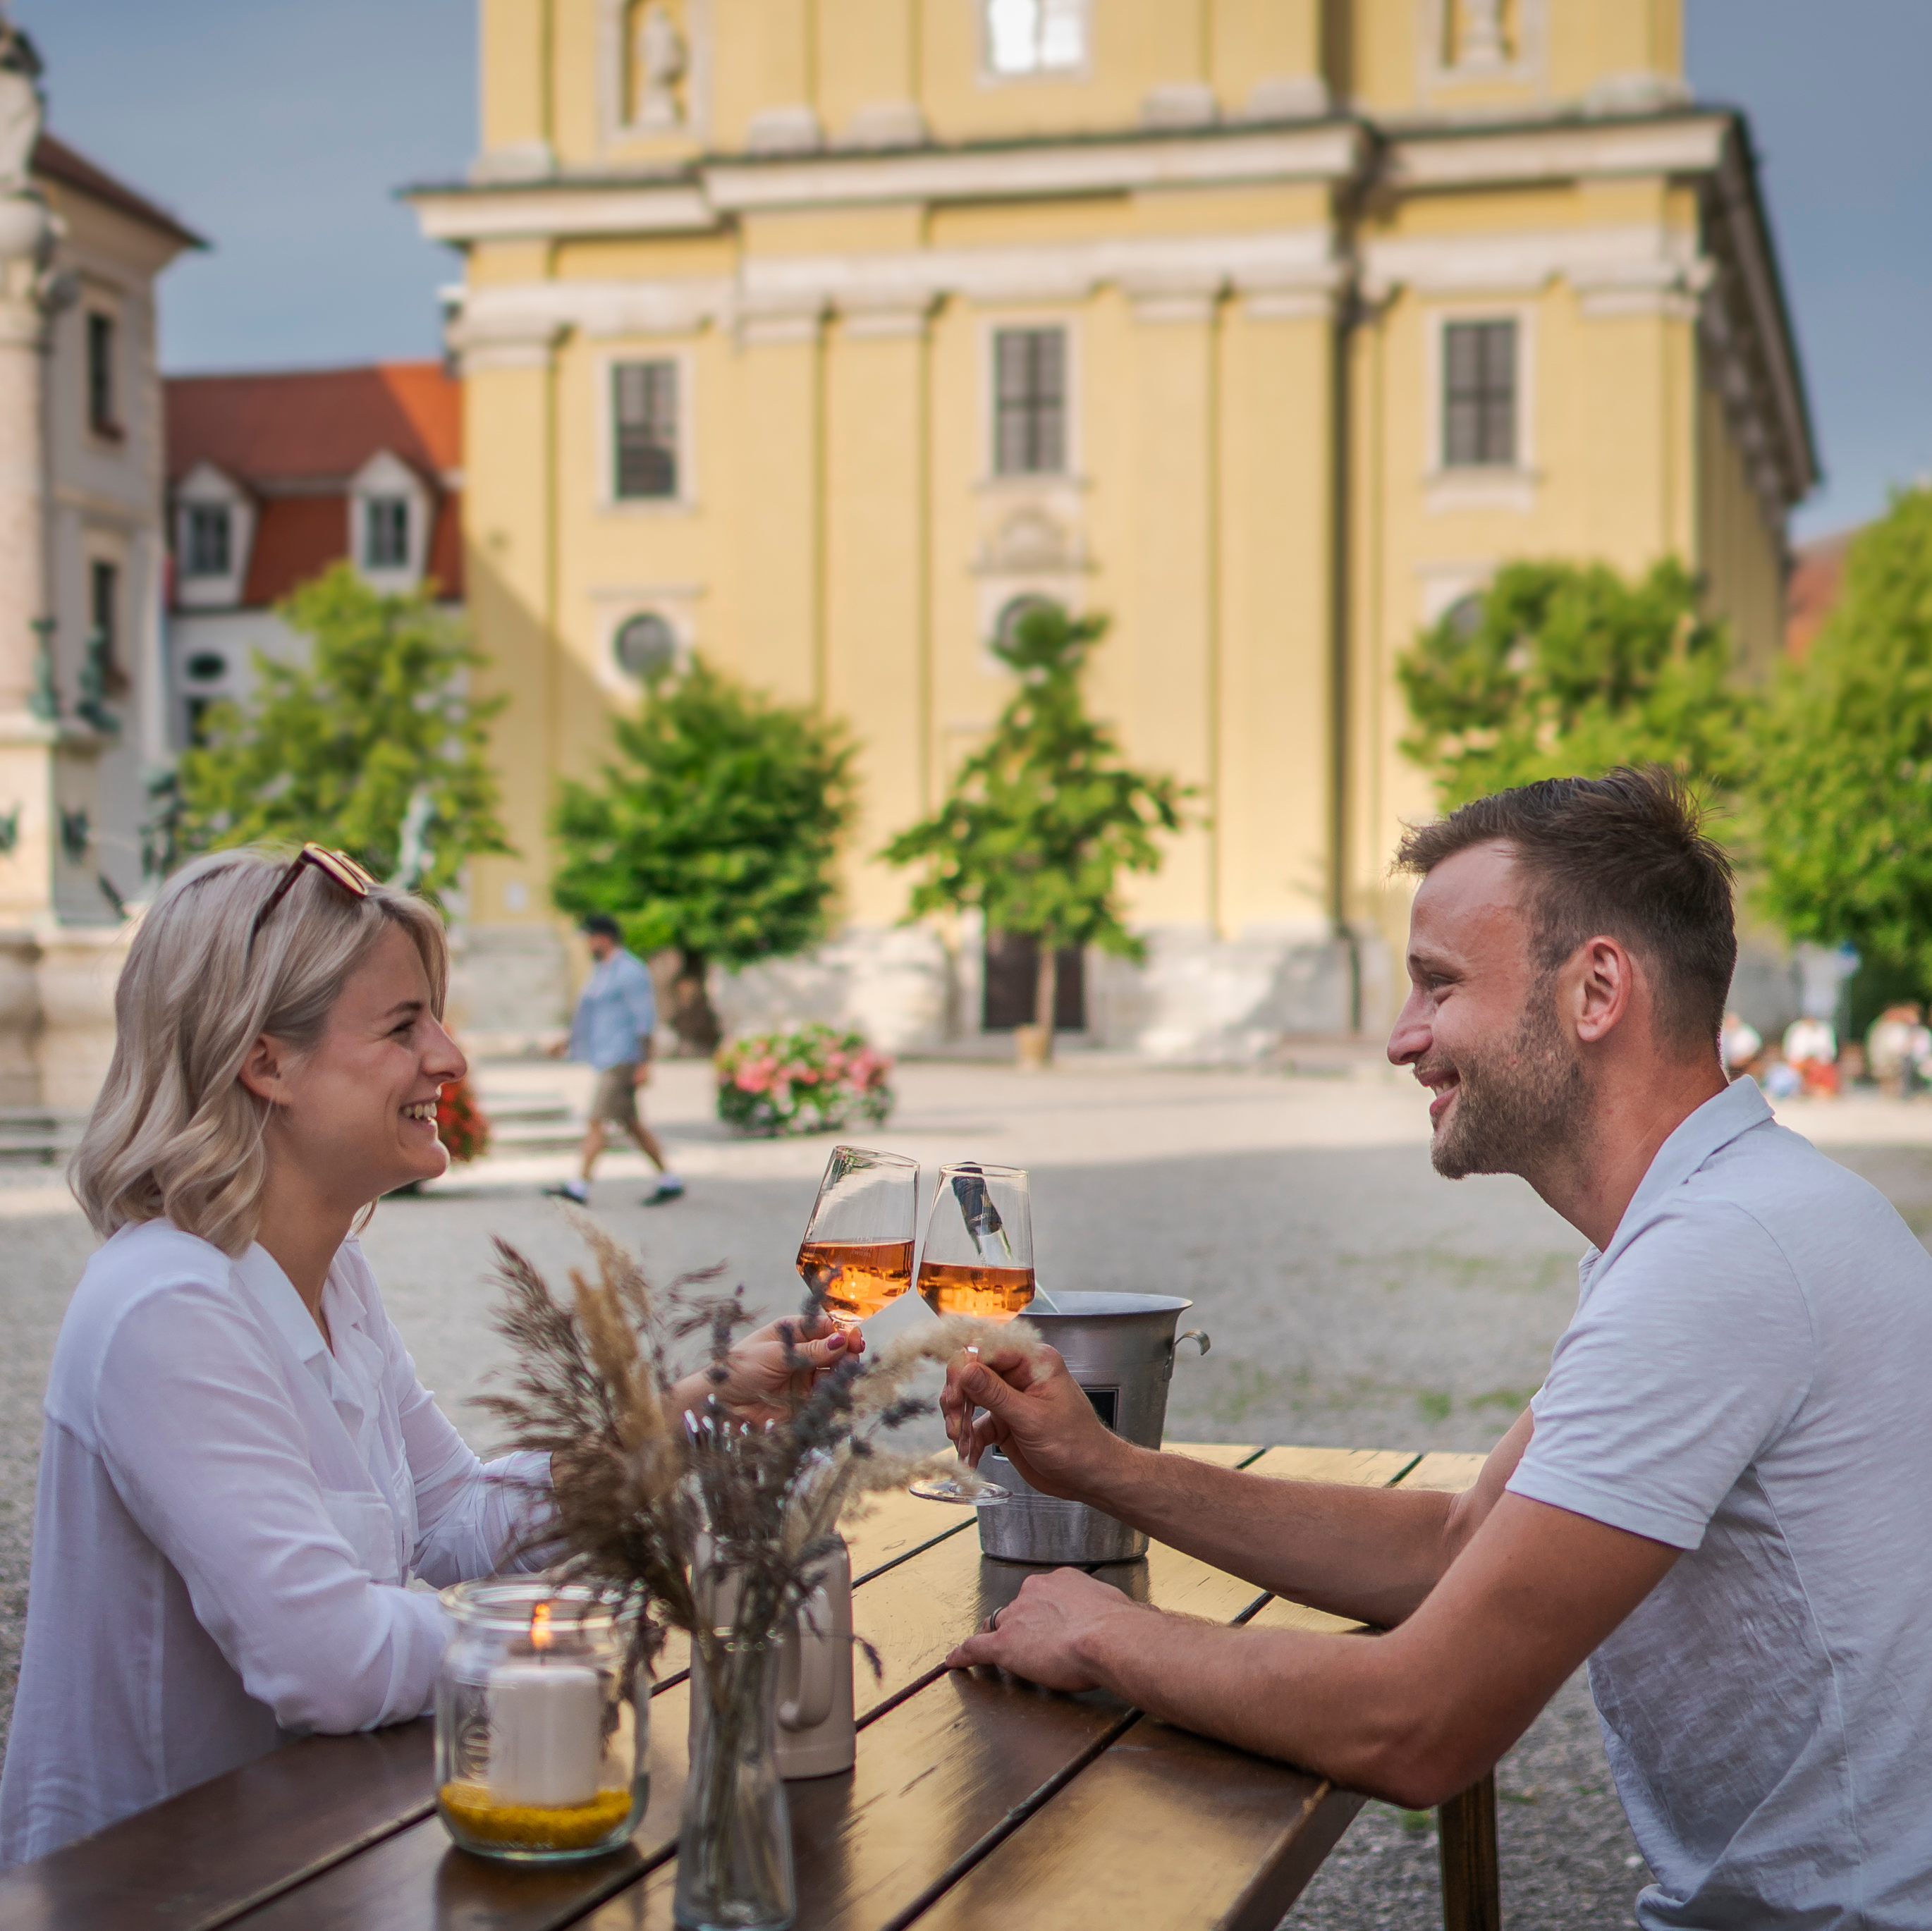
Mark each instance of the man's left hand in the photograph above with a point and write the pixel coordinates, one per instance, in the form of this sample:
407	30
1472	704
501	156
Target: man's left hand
1038	1635
642	1077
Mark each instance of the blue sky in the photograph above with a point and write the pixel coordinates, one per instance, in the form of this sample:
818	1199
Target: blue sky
278	128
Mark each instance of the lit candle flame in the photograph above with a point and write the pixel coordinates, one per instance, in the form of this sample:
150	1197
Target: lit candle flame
540	1627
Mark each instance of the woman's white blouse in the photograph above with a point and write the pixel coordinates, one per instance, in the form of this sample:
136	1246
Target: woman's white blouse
227	1516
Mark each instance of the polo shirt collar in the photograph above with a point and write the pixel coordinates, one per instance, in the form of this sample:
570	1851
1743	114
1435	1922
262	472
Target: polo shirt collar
1722	1118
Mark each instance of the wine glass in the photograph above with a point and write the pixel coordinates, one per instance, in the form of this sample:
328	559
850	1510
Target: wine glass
977	1259
857	1254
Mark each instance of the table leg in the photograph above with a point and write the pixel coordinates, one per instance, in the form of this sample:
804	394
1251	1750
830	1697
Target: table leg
1466	1830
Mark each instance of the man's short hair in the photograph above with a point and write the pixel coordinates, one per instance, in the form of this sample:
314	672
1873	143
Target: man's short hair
1625	856
602	925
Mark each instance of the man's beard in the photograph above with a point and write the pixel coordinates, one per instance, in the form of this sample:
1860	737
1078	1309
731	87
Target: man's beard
1520	1108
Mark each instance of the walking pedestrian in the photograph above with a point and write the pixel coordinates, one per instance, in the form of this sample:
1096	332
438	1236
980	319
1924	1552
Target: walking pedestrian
616	1016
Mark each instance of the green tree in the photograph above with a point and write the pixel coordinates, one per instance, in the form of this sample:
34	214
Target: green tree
1044	817
1842	821
716	832
373	746
1560	668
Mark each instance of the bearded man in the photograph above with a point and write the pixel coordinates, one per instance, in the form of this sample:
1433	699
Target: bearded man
1712	1498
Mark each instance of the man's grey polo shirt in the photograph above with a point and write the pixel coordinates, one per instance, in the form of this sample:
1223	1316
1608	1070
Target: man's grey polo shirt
1748	1378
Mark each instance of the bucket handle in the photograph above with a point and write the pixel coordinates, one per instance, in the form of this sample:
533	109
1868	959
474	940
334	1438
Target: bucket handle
1197	1335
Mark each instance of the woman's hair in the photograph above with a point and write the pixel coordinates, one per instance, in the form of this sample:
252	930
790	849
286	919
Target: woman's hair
175	1134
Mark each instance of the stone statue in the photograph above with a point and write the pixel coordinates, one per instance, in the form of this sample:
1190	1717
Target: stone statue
1480	40
22	107
662	61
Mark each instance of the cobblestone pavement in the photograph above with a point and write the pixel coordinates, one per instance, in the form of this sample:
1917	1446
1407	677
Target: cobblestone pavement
1354	1297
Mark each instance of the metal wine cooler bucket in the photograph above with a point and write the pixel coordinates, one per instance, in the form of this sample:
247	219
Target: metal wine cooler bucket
1120	1349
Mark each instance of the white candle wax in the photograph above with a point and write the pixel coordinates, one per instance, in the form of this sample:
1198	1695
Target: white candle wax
546	1747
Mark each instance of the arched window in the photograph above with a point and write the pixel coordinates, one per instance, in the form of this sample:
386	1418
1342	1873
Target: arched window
646	646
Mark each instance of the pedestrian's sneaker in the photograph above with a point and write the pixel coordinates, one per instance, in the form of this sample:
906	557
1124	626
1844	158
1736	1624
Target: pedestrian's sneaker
669	1188
568	1190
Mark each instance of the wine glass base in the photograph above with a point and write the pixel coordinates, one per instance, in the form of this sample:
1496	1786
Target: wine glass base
948	1489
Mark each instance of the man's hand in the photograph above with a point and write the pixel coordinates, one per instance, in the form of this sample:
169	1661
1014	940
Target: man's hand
642	1076
1039	1634
1036	1417
766	1380
557	1048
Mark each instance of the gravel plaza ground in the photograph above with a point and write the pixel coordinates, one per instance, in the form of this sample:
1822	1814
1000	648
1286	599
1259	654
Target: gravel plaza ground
1354	1297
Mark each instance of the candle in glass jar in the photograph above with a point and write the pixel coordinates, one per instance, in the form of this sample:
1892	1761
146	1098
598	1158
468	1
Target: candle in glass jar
546	1728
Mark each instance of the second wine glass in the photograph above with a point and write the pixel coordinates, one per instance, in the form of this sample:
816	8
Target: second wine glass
857	1254
977	1259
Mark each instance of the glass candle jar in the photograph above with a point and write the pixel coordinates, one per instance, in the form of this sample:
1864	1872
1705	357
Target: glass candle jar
539	1758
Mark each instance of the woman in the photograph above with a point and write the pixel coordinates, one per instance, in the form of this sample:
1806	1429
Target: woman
241	1472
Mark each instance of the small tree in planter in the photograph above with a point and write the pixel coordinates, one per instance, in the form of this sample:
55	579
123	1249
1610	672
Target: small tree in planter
714	832
1042	820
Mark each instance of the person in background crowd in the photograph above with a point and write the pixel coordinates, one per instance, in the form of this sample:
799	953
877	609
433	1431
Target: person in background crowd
1739	1043
616	1017
1898	1046
1811	1052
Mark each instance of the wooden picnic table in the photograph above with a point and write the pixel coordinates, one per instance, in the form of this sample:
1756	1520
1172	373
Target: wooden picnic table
977	1801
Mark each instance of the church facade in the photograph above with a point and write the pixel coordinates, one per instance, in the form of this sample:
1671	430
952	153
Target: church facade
821	336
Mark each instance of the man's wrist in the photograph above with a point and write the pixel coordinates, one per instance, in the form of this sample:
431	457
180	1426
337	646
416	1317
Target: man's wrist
1105	1644
1111	1472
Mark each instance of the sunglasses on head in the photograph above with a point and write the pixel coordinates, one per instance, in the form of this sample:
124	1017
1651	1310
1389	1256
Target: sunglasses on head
338	866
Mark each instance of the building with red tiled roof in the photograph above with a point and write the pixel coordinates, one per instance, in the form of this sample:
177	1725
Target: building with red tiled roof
1817	575
273	478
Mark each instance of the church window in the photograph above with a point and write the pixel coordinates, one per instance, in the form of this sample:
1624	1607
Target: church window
1026	36
644	409
1479	394
1029	401
385	533
210	545
103	416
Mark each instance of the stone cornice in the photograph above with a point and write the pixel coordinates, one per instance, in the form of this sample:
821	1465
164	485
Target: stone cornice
702	198
1690	142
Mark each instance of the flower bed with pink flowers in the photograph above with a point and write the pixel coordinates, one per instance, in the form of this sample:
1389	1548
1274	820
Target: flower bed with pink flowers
815	1079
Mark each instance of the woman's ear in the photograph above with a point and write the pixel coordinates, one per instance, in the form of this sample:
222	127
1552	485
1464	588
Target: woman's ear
265	1071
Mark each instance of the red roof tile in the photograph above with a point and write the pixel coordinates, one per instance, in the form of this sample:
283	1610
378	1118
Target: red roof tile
315	425
1816	576
445	549
54	161
296	537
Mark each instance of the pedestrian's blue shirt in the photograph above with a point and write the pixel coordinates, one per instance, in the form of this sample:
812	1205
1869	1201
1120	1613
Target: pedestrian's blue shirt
617	1014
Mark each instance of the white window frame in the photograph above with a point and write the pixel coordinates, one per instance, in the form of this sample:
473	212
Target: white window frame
207	487
1071	471
991	75
1487	486
684	501
386	475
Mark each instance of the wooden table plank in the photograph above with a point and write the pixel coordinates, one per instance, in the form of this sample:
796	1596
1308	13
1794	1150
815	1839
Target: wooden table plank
1222	1454
1353	1467
1165	1828
200	1858
1444	1471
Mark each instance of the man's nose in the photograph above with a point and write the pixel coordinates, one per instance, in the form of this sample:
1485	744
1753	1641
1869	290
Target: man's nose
1410	1039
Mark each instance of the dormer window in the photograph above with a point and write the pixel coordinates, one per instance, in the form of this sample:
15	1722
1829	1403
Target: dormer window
1033	37
210	546
385	533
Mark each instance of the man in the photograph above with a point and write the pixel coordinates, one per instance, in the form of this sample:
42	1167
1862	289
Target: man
615	1019
1713	1496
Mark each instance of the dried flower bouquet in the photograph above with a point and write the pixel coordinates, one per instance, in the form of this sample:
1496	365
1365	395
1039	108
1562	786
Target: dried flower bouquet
638	1481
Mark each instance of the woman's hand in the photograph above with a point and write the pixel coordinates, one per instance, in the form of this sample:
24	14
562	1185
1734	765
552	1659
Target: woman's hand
763	1385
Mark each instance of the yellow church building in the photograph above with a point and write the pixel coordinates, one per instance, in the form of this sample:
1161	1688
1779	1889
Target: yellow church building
819	336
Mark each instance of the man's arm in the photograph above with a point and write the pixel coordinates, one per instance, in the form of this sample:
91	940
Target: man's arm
1371	1554
1413	1716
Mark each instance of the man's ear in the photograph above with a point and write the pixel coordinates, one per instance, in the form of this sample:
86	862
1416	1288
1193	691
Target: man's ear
265	1071
1603	989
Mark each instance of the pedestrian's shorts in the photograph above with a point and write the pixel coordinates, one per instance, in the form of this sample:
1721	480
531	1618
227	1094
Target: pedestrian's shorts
616	1100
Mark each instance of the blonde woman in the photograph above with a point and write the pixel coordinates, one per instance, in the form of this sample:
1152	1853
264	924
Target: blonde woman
241	1474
